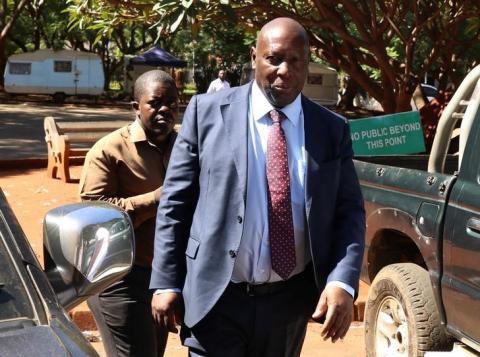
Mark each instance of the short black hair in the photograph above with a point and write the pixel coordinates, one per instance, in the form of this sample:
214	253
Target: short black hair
153	76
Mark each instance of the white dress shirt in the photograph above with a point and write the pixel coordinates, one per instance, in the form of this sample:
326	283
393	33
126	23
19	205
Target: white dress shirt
217	85
252	263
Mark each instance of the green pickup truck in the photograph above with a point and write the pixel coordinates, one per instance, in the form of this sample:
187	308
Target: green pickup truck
422	255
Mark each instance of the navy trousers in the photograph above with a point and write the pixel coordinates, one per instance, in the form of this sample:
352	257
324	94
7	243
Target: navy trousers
251	324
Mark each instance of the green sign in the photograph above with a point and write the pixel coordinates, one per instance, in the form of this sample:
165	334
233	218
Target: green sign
394	134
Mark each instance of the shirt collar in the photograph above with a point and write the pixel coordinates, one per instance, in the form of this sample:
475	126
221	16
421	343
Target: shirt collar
137	133
261	106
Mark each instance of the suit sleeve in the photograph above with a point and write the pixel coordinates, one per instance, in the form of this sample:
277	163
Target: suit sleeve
177	205
349	220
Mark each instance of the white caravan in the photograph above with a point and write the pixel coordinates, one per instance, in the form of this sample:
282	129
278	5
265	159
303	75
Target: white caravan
322	84
58	73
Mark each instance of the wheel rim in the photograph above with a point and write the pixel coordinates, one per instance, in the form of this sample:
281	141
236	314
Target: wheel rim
391	332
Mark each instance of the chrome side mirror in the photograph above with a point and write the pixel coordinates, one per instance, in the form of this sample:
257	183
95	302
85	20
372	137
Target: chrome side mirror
87	247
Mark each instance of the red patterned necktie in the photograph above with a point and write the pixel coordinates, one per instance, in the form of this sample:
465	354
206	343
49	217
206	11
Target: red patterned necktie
280	220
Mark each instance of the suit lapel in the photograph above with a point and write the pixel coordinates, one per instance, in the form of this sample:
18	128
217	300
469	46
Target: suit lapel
235	119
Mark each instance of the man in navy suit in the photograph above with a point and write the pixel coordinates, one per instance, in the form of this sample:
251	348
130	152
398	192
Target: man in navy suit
260	225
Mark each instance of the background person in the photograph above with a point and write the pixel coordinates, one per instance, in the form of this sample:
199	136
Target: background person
219	84
180	84
127	168
261	222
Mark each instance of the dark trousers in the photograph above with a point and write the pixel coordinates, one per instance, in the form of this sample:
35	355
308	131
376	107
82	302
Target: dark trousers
267	324
124	317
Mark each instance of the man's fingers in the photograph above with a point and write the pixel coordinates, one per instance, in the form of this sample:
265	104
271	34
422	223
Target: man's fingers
346	327
337	325
157	317
342	329
329	321
170	323
319	313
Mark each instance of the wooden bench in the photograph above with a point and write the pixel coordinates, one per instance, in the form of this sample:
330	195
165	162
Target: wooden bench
69	141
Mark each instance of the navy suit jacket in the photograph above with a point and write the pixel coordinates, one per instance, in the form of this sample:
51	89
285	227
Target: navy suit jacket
202	205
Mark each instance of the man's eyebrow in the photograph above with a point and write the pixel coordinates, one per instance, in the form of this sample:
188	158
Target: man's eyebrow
162	98
167	101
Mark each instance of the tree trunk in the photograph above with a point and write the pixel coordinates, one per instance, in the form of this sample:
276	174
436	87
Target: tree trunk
402	102
3	37
3	64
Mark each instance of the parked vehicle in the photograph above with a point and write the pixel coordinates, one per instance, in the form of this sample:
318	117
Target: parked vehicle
321	85
86	247
58	73
423	241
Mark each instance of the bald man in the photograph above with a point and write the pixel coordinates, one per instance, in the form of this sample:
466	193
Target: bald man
260	226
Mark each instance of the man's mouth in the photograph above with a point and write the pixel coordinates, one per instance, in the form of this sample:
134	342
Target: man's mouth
280	87
163	120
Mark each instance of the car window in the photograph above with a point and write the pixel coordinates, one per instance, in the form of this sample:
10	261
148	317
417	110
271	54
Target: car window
14	299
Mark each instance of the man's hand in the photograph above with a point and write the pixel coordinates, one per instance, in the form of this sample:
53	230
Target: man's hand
337	304
167	310
157	193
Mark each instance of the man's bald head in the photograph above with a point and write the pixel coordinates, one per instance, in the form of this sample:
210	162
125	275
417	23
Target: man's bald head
282	24
281	60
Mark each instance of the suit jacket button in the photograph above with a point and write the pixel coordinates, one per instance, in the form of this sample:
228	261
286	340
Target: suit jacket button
239	219
232	253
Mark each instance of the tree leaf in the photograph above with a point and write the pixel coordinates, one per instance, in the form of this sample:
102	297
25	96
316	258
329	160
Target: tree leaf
177	22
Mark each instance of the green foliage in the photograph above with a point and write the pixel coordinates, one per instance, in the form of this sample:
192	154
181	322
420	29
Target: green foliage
115	85
386	46
196	31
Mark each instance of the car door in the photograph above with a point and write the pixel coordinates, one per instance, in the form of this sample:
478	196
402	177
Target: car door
461	246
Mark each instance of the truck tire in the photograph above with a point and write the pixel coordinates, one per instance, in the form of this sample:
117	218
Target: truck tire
401	316
59	97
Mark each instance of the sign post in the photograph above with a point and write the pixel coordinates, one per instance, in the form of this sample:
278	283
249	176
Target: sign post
394	134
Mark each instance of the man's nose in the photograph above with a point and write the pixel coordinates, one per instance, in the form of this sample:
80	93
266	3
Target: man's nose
161	109
283	69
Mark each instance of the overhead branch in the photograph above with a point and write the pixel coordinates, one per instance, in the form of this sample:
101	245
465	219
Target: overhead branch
8	26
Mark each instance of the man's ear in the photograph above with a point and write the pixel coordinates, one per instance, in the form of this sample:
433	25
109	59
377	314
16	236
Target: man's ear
253	56
135	105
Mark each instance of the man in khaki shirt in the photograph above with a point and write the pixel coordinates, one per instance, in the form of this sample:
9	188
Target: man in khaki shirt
127	169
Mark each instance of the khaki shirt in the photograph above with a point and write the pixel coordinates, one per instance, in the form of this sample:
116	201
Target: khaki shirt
125	169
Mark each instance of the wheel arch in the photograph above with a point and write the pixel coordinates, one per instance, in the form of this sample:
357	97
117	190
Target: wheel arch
390	246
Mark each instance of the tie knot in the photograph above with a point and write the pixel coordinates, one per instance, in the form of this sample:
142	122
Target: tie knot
277	116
